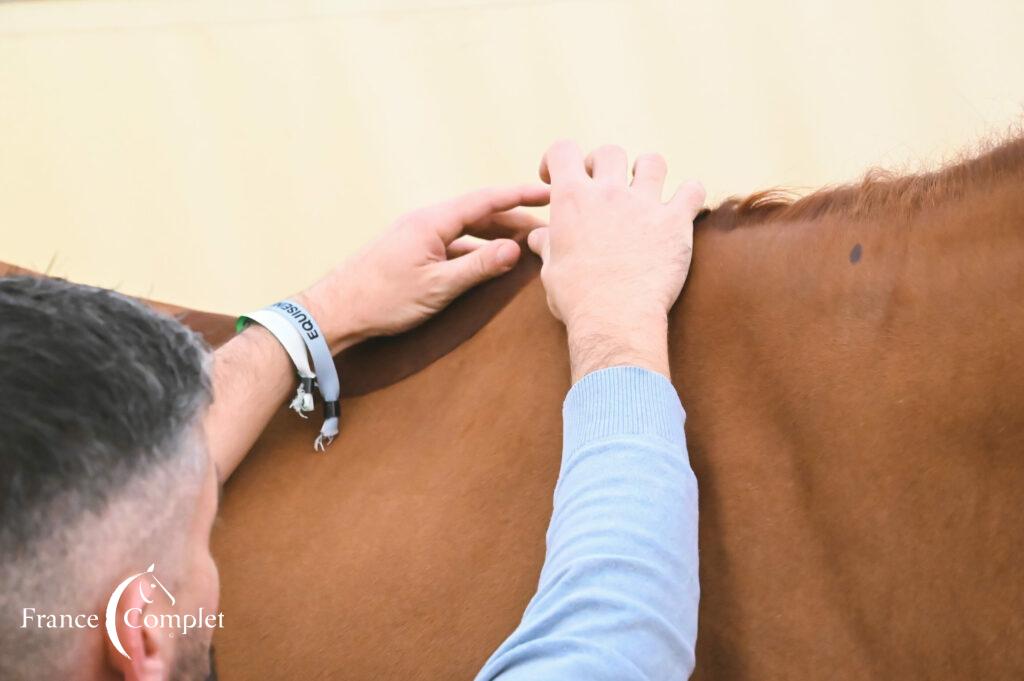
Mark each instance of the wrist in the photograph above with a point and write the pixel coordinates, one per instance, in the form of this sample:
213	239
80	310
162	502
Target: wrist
638	338
333	313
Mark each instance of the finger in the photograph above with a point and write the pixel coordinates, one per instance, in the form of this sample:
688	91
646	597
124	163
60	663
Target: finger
649	173
486	262
538	241
511	224
689	198
562	161
463	245
608	164
469	208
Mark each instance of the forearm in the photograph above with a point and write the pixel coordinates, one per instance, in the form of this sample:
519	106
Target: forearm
252	376
391	286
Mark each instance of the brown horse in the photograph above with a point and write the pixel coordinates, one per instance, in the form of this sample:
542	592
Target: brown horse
850	367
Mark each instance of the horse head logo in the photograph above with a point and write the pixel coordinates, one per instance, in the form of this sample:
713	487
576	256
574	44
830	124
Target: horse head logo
152	582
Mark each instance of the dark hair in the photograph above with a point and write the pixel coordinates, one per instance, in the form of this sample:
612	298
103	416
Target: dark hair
95	388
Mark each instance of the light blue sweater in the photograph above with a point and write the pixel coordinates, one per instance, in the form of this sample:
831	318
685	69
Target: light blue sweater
617	597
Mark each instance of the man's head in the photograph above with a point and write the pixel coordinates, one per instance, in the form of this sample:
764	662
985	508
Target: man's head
103	472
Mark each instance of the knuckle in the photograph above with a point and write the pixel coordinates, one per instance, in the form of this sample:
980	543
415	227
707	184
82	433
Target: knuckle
420	218
435	284
573	188
406	219
652	159
695	191
480	267
609	150
562	145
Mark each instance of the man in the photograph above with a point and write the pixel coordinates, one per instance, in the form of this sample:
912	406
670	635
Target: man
111	452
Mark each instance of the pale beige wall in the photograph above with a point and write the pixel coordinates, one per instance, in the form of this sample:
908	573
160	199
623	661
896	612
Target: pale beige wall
219	154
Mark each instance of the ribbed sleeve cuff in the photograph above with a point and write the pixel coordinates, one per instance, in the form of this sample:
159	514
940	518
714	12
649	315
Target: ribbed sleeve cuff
621	401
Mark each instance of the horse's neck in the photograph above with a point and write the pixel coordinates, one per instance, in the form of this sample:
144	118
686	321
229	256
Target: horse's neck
856	425
836	308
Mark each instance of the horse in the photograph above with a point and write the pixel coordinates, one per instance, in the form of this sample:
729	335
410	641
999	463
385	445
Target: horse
854	390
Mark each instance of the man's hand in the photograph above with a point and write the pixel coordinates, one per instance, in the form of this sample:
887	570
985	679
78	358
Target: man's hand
427	259
419	266
615	256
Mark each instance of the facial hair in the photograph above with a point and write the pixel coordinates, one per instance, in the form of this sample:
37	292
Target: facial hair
194	660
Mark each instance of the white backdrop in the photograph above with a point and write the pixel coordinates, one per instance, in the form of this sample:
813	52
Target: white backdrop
221	154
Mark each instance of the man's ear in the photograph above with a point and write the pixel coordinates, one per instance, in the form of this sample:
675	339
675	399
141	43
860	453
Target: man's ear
144	661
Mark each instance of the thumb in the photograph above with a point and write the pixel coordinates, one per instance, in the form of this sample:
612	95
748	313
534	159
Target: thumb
479	265
538	241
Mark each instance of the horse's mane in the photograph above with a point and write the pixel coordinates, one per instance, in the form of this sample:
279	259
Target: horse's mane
880	192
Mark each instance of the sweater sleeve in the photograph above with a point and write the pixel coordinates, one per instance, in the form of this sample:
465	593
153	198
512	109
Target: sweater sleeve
618	593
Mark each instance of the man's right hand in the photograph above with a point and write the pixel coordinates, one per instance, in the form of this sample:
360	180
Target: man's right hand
615	257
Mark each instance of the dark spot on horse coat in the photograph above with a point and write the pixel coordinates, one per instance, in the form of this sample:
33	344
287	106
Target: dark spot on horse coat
855	254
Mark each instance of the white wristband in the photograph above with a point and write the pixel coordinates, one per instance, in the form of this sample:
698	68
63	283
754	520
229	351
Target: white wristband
293	344
327	381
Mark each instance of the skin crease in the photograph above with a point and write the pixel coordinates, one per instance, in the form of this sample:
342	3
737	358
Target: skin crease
600	228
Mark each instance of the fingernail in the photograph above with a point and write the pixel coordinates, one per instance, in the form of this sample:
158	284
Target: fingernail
507	255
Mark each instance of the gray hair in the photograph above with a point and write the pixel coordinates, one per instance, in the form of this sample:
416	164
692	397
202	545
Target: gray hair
100	448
